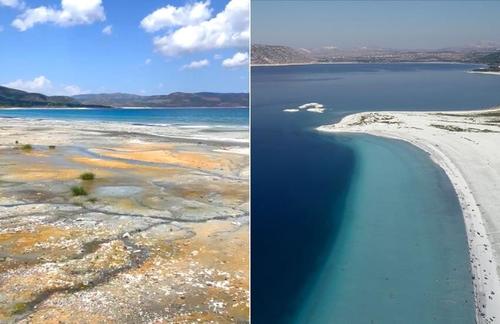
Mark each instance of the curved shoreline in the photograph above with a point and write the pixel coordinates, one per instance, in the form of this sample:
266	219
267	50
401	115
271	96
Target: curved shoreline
485	72
486	280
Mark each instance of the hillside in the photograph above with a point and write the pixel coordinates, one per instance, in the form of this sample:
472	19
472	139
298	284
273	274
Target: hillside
17	98
176	99
274	54
490	59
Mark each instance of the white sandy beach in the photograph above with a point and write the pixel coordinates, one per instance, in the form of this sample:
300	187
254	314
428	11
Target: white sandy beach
485	72
490	73
466	145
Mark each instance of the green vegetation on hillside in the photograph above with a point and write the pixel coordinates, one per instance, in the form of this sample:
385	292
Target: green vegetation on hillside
17	98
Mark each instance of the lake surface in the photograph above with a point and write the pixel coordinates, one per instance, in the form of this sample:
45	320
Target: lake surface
354	228
181	116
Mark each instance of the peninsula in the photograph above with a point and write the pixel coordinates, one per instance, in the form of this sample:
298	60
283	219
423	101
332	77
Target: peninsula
465	146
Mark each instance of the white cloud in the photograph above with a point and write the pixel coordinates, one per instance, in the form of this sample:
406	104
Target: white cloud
38	84
43	85
108	30
72	12
229	28
238	59
171	16
72	90
11	3
148	61
196	64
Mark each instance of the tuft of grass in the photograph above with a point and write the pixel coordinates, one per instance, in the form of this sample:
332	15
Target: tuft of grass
87	176
52	147
27	147
19	308
78	191
92	200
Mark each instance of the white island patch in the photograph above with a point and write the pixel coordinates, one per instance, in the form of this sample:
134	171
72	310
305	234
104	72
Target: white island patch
316	110
310	107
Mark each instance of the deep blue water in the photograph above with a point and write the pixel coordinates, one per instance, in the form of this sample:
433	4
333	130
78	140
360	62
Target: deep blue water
353	228
197	116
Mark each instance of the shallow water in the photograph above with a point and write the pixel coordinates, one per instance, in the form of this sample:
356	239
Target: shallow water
351	228
202	117
400	255
118	191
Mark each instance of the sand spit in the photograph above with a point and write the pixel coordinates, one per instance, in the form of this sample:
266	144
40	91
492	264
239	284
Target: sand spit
486	72
161	235
465	145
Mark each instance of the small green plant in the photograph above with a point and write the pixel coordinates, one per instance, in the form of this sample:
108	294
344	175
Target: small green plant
78	191
27	147
19	308
87	176
92	200
52	147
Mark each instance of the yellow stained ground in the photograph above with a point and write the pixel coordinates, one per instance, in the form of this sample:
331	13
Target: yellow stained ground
170	156
219	245
22	241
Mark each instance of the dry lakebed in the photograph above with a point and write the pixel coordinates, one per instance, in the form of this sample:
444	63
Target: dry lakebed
155	232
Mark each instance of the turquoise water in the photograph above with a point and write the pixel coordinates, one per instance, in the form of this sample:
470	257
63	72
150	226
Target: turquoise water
181	116
354	228
400	254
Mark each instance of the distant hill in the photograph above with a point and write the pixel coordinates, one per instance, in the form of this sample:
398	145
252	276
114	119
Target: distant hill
17	98
176	99
275	54
490	59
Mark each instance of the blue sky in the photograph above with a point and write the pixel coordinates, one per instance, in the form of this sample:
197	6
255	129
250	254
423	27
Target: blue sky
389	24
67	49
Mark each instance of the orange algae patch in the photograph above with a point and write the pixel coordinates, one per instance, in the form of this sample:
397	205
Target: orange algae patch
226	249
20	242
222	246
185	159
142	169
22	173
103	163
218	249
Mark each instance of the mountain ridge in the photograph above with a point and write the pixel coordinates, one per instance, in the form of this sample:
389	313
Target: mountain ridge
286	55
17	98
175	99
10	97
